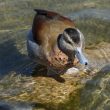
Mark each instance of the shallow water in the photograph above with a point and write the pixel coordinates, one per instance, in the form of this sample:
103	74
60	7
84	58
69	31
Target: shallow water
15	106
13	57
103	14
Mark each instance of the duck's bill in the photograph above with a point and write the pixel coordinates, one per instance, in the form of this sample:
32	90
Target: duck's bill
82	59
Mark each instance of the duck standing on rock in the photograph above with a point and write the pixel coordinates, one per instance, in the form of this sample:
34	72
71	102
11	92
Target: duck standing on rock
55	42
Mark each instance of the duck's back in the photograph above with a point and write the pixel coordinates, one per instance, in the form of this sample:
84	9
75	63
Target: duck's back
47	26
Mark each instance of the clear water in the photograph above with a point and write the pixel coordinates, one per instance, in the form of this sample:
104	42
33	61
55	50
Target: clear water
13	57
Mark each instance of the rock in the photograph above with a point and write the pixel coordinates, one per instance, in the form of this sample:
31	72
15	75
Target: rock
72	70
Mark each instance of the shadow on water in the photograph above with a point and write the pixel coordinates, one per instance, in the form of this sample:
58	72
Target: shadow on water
41	71
12	60
21	106
96	91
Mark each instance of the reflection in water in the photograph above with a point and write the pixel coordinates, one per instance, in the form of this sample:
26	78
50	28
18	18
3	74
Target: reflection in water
9	56
15	106
12	60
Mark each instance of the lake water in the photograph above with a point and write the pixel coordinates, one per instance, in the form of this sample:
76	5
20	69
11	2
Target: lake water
13	57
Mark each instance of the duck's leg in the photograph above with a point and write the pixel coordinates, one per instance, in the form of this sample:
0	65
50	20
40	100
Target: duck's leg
51	72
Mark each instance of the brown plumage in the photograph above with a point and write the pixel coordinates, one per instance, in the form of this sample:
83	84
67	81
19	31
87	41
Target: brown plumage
49	25
47	29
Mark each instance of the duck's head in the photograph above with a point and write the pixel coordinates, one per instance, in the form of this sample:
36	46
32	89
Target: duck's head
71	42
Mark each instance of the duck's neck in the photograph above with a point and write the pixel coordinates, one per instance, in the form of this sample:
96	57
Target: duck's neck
63	46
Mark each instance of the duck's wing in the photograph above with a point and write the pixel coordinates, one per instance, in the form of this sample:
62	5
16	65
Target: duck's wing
47	26
54	15
46	13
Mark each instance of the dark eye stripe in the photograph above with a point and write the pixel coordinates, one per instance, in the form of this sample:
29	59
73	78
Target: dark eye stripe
66	39
68	42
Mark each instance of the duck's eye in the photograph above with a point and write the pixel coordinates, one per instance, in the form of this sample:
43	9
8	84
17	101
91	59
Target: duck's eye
69	42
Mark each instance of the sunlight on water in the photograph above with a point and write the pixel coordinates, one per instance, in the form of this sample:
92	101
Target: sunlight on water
83	91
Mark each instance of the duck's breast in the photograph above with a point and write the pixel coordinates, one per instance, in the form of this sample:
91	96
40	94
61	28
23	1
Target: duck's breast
34	50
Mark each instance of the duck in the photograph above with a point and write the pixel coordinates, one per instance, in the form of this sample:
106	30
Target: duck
55	42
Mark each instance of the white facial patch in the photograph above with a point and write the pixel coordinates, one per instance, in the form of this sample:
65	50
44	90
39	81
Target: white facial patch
67	37
82	41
